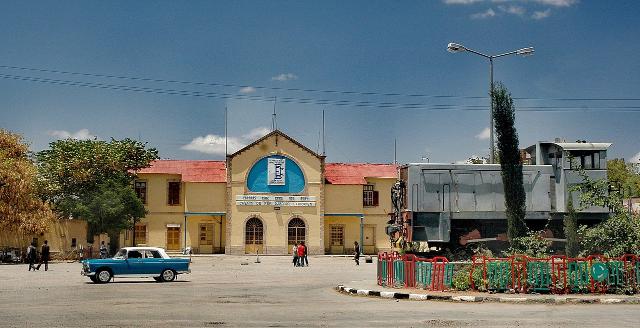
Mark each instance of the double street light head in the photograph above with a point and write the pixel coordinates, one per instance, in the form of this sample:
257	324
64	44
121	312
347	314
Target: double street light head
456	47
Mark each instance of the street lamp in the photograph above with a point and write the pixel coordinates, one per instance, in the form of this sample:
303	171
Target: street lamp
456	47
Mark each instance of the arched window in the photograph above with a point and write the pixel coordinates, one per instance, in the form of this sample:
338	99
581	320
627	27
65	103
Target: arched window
254	232
297	231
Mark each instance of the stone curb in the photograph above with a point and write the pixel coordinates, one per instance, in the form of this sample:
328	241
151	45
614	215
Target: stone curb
477	299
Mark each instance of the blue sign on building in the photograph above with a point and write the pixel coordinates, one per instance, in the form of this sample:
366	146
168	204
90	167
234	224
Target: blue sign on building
258	178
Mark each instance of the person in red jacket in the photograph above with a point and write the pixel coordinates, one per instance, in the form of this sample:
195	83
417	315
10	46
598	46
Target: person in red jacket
301	254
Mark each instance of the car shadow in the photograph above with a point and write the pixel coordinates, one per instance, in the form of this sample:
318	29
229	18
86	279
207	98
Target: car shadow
136	282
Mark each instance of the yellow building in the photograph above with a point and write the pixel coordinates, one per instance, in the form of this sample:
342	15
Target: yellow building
62	236
266	197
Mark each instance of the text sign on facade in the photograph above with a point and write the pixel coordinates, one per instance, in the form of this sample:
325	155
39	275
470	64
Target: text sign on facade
277	198
276	171
273	203
273	200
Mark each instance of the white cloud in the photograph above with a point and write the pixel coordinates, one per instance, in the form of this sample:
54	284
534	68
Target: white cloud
635	158
557	3
82	134
485	14
285	77
247	90
256	133
484	134
460	2
541	14
214	144
514	10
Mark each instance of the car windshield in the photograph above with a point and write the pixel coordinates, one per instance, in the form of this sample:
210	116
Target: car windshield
120	254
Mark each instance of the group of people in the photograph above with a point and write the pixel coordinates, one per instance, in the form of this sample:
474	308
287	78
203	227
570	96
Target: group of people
45	255
32	256
300	259
104	251
299	251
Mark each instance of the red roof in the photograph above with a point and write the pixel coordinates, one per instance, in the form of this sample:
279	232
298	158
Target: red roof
355	173
215	171
191	171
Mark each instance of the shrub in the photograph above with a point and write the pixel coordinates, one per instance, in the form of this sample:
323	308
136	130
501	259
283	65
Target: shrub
461	279
462	282
533	244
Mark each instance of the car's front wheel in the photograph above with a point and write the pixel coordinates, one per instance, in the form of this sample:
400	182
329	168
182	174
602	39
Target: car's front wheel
93	278
168	275
103	276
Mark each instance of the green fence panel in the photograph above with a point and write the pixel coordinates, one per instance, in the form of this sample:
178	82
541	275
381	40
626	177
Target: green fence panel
578	276
616	274
539	275
383	270
423	274
498	275
448	274
398	273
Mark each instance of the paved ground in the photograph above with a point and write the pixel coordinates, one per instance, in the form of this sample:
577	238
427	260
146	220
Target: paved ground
223	293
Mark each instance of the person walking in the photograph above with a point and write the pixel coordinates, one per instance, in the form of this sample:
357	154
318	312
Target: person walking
80	253
44	256
294	250
300	254
103	250
356	252
32	255
305	261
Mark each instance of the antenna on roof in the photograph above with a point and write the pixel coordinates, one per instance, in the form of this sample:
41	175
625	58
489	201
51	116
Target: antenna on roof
395	151
273	120
323	148
225	132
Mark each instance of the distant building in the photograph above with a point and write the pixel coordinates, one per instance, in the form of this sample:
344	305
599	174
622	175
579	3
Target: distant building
263	199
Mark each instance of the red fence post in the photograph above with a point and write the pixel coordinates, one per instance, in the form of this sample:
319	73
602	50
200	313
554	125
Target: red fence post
602	285
629	265
409	270
438	265
518	272
559	274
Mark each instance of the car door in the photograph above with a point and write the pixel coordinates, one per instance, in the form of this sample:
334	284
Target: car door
153	262
135	262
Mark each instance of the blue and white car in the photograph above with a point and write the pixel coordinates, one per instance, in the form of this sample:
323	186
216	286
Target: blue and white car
136	262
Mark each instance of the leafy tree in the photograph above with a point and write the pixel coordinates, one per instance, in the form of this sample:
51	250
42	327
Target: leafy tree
624	177
616	235
92	180
111	207
510	162
20	208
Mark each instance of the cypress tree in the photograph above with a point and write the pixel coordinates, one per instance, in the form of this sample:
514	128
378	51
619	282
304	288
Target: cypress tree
571	247
510	162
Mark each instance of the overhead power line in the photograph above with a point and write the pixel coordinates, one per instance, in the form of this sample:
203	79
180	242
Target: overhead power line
259	87
311	101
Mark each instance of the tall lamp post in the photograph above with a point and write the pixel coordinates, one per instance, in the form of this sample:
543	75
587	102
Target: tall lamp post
456	47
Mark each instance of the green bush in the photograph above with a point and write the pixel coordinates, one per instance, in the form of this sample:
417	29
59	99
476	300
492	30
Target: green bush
533	244
461	278
462	282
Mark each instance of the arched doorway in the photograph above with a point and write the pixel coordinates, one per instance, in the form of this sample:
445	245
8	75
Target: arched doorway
296	232
254	236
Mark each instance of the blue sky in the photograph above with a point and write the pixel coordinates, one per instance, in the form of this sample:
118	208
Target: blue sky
584	49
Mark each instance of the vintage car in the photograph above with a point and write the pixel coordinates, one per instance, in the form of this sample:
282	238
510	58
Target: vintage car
136	262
